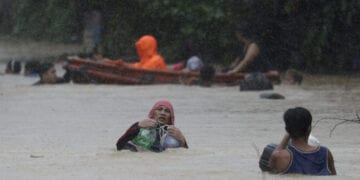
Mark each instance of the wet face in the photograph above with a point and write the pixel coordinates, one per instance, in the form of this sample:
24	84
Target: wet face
49	77
162	114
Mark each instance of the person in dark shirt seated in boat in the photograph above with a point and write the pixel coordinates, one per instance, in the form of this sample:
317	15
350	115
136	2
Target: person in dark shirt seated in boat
156	133
250	59
47	73
294	155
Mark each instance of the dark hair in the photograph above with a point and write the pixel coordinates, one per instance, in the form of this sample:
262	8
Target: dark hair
207	73
297	122
31	67
296	75
44	67
13	67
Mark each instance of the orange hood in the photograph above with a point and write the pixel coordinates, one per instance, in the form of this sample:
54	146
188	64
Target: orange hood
146	48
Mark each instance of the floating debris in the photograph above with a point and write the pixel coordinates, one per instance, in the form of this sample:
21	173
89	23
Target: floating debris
271	95
36	156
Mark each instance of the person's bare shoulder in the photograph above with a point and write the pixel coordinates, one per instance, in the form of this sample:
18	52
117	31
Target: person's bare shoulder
280	159
253	49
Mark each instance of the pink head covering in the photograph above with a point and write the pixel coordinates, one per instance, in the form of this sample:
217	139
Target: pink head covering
166	104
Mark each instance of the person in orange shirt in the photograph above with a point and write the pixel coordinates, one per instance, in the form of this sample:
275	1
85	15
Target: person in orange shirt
146	48
149	58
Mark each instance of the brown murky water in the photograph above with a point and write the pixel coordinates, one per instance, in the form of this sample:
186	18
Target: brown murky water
69	131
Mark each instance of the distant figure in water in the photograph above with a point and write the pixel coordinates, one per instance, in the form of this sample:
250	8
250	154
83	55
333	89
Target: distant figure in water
294	155
147	49
47	73
292	77
13	67
255	82
32	68
155	133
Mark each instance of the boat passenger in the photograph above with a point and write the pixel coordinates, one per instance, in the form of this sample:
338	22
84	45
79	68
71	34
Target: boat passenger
146	48
47	73
155	133
192	61
31	68
250	59
298	157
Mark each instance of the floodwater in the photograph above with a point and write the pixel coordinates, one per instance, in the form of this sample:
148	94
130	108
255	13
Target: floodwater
69	131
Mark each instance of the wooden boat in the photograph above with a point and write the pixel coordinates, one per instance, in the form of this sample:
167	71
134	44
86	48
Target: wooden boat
86	71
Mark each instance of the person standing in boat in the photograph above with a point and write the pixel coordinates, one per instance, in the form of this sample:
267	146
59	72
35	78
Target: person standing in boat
294	155
155	133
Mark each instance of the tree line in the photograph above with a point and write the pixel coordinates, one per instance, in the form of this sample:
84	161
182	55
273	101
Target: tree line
314	36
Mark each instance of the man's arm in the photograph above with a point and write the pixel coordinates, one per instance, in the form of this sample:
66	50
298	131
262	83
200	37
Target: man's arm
251	53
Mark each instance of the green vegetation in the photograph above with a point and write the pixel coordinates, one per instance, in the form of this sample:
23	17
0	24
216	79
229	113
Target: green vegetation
315	36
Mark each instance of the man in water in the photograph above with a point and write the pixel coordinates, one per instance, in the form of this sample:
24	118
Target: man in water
294	155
